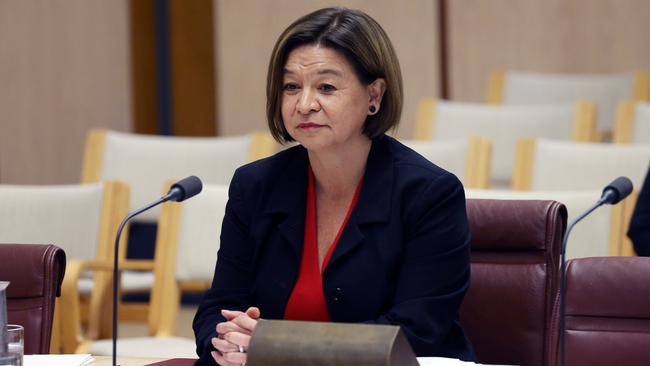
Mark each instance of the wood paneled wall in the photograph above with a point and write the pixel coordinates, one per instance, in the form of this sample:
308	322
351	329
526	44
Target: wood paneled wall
64	68
247	30
573	36
65	65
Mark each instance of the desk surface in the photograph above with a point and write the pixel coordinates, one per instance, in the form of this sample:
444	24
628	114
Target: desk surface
123	361
131	361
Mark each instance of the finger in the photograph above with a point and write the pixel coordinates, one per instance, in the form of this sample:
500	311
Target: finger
231	314
223	345
238	358
253	312
237	338
245	322
219	358
225	327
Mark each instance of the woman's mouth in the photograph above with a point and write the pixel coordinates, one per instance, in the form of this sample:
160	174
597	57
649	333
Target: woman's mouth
309	126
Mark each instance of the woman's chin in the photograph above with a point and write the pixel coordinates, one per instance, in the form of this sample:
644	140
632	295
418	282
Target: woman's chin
313	142
314	145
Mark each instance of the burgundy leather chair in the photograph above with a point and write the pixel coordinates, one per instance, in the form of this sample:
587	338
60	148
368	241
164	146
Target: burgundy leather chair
508	310
607	309
35	273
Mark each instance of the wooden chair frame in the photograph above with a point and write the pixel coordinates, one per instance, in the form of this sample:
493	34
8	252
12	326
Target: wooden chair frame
496	87
624	125
627	248
262	145
166	292
479	160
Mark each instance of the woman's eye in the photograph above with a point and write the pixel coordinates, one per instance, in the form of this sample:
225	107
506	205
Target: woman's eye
290	87
327	88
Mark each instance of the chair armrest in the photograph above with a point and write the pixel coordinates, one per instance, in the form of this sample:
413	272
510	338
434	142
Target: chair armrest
137	265
71	335
103	265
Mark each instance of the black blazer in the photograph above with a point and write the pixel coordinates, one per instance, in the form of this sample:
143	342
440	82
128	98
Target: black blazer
403	257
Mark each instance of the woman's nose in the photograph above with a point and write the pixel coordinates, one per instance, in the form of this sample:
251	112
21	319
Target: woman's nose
308	103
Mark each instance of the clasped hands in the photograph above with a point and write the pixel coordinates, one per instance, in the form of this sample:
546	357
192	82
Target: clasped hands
234	336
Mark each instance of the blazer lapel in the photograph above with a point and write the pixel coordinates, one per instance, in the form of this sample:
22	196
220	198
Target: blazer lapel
373	204
288	199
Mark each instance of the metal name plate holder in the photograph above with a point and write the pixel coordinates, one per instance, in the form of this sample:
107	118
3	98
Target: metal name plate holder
5	357
292	343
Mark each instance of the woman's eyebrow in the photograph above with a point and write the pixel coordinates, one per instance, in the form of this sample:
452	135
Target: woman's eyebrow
330	71
320	72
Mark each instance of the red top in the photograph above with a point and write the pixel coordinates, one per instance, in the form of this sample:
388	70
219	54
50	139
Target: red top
307	301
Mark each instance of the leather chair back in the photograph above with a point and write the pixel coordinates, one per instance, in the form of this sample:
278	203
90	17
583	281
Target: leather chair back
508	310
35	273
607	309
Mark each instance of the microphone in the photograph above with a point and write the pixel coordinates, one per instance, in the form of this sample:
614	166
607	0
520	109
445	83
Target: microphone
180	191
184	189
618	189
613	193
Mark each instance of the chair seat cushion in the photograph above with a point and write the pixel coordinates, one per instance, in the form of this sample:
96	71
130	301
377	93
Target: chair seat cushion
132	281
147	347
137	281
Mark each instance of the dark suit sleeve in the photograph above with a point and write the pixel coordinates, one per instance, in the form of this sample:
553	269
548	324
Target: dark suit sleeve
639	231
435	271
231	284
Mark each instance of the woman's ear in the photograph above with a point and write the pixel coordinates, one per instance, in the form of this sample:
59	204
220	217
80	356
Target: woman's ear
376	91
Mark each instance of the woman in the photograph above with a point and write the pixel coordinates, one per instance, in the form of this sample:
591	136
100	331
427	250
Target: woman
349	226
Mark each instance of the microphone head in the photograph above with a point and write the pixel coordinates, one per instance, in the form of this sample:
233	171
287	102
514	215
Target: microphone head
617	190
185	188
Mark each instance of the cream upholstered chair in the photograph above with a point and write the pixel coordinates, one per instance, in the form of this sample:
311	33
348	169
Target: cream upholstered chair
469	159
632	123
186	252
82	220
598	235
503	125
605	90
561	165
147	162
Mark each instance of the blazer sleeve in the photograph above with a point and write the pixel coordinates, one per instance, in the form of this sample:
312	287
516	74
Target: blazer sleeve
639	231
435	270
231	283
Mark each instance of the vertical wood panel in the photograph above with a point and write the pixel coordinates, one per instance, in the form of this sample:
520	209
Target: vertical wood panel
576	36
247	30
143	66
64	68
192	63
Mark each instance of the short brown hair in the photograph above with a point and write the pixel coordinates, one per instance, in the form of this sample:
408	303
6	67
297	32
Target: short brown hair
361	40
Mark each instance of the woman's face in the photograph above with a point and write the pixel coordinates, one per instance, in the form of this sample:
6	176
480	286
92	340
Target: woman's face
324	105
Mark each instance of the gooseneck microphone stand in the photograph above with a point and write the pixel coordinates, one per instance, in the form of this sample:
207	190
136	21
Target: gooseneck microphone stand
115	265
613	193
180	191
563	272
